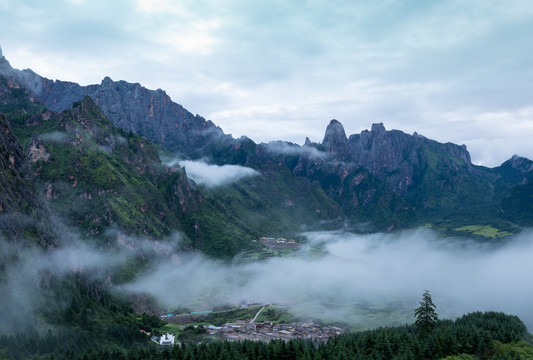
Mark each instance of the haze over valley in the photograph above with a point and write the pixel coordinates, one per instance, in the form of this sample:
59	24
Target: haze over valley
375	202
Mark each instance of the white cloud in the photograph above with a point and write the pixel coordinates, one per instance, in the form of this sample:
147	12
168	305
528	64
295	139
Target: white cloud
216	175
284	148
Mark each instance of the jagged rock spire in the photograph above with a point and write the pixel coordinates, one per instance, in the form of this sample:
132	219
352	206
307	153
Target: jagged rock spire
335	141
106	81
334	133
377	127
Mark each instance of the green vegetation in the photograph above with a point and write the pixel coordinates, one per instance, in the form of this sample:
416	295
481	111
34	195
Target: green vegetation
487	336
276	314
426	317
517	206
78	314
223	317
487	231
97	177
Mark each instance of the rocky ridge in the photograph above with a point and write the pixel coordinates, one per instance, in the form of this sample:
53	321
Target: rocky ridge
130	107
386	177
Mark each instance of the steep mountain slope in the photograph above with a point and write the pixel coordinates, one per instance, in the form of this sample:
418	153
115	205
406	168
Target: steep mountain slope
98	178
517	204
23	213
129	107
93	175
395	180
387	179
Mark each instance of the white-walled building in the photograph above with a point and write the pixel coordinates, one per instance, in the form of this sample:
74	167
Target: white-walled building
166	339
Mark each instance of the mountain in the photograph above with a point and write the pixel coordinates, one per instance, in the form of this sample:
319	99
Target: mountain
130	107
390	176
386	179
396	180
99	179
87	204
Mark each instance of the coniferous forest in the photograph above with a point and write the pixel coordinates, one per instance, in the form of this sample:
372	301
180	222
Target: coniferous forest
489	335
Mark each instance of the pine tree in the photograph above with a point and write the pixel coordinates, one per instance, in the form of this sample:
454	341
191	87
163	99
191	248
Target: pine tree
426	317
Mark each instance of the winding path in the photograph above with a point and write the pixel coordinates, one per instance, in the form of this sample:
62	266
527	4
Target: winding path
256	315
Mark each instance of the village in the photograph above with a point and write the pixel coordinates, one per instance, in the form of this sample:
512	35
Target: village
249	329
279	243
241	330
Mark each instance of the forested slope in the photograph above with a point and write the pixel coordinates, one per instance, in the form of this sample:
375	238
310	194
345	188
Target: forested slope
477	335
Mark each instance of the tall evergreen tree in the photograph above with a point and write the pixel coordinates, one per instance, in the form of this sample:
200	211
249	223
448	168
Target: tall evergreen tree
426	317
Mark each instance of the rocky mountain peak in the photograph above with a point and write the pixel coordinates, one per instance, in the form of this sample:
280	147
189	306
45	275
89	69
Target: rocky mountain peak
5	67
36	150
520	163
131	107
107	81
335	141
1	55
377	128
334	133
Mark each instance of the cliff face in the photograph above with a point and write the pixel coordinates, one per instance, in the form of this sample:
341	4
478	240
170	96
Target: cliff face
23	214
16	188
131	107
391	156
393	176
336	143
387	177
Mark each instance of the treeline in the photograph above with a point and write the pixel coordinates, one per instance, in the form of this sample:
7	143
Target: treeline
477	335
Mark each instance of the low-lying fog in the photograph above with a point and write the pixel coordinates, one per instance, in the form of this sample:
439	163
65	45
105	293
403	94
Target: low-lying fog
364	280
373	280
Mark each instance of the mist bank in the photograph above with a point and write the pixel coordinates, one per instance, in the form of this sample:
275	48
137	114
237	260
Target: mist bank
25	275
364	280
215	175
28	275
372	279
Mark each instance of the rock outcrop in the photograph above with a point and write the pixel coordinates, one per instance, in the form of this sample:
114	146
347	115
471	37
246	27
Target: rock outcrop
132	107
336	143
23	214
391	175
392	156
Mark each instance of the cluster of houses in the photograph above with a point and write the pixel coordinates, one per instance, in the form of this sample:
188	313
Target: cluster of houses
242	330
265	331
279	243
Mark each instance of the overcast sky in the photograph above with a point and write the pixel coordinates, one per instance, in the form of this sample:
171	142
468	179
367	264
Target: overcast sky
458	71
